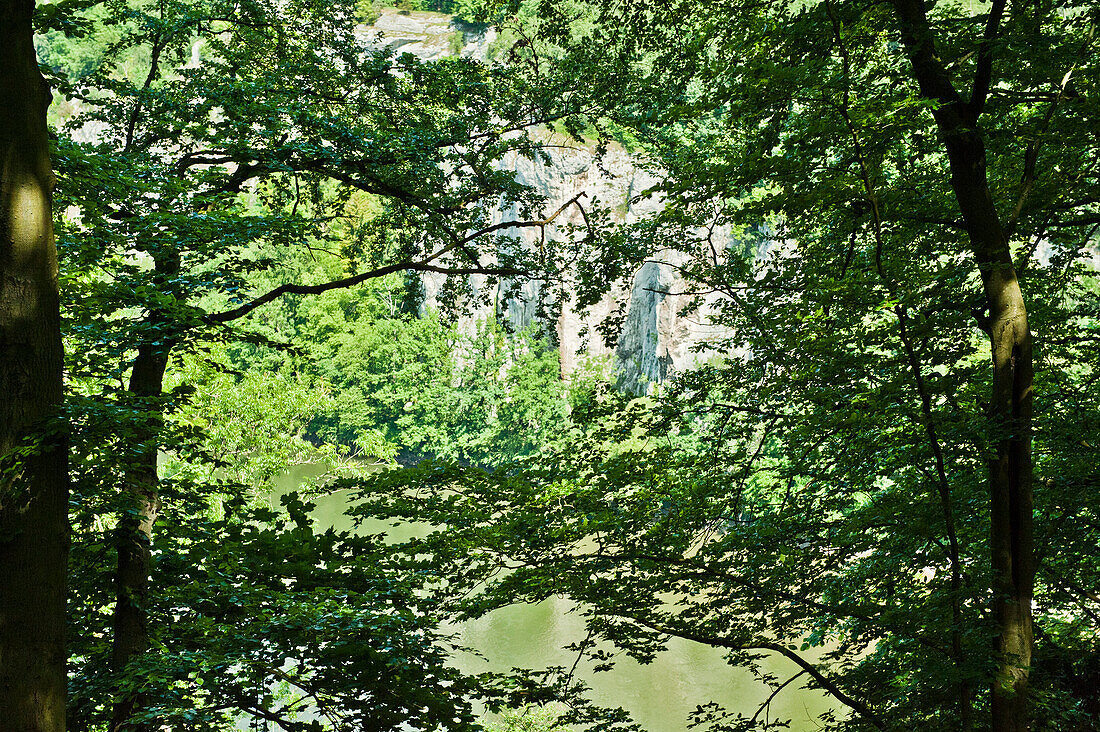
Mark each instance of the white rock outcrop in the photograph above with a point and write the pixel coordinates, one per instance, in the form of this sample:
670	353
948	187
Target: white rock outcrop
656	339
428	36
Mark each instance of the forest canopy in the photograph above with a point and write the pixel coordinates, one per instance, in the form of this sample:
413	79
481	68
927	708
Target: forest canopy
284	240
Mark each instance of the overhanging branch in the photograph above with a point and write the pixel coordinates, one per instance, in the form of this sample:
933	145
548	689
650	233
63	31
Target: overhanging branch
575	200
822	680
346	282
424	265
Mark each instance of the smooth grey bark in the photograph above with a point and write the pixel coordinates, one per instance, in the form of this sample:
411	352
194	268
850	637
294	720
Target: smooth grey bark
34	533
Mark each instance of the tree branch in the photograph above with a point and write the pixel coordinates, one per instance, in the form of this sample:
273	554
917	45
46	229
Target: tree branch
932	78
521	224
159	42
346	282
768	701
822	680
983	74
421	266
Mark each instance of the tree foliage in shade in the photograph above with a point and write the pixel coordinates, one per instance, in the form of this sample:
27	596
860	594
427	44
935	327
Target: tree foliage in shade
848	483
207	138
886	473
259	616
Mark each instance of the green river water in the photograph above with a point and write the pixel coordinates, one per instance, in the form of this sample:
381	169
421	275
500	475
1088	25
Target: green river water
659	695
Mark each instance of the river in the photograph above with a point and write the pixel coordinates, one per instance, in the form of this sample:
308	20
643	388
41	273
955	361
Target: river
659	695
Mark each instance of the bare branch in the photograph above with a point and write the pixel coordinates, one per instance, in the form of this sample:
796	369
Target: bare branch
983	75
768	701
424	265
346	282
521	224
822	680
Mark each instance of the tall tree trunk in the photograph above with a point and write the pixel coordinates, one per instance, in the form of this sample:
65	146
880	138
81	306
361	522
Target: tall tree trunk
135	534
1009	414
34	533
1009	424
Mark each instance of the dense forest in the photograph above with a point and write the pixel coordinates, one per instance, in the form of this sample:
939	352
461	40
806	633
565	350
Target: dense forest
770	328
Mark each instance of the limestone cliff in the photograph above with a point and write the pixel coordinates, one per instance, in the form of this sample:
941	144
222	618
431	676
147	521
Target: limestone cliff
655	340
428	36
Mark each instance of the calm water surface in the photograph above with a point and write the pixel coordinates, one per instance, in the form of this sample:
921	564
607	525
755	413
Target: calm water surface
659	695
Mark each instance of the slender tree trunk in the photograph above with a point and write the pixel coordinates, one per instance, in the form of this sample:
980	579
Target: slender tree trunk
134	537
1009	419
1009	413
34	533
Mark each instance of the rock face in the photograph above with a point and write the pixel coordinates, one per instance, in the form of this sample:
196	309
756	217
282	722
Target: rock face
428	36
656	340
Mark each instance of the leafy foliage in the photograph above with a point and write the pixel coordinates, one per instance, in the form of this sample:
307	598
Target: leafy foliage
428	389
259	615
206	140
820	492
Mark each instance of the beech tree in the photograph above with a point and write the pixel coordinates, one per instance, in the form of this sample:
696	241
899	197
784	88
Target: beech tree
33	480
892	207
211	134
